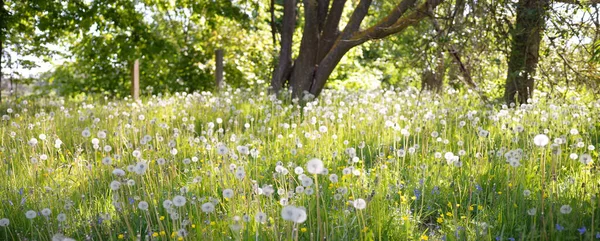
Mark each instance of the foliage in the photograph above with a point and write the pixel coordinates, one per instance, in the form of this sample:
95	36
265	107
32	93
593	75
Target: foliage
175	42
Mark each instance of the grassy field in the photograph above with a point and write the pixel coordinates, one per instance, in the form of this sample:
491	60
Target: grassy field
379	165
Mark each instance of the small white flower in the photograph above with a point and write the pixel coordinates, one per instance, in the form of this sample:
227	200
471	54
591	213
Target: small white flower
541	140
143	205
33	142
61	237
574	131
315	166
565	209
141	167
167	204
57	143
115	185
294	214
46	212
228	193
531	211
333	178
208	207
244	150
306	181
260	217
106	161
323	129
178	201
288	212
360	204
136	153
118	172
30	214
34	160
61	217
586	159
182	233
309	191
4	222
222	150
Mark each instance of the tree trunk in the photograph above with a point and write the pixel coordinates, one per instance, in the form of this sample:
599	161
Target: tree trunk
284	66
433	79
219	68
323	45
524	54
135	79
306	63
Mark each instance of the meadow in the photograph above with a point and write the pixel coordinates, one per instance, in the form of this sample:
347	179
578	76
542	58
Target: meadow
244	165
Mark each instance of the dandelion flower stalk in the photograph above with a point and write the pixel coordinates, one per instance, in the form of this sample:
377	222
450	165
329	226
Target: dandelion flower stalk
319	224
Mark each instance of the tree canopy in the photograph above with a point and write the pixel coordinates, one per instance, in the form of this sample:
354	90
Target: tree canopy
309	45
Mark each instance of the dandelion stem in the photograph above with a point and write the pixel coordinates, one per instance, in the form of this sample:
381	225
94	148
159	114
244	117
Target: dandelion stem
319	231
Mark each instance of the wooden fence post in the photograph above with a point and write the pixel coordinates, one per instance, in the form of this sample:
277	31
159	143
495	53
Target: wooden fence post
135	80
219	68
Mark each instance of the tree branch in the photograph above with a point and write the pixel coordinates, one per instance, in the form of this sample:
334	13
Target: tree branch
398	11
379	32
585	2
282	72
456	57
331	28
356	19
323	8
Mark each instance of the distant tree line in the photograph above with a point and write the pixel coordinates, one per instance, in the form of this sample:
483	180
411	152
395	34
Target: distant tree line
500	49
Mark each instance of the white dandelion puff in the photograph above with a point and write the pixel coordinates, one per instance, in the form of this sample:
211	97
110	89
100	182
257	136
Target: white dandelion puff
228	193
208	207
61	217
360	204
115	185
46	212
178	201
541	140
143	205
30	214
260	217
566	209
315	166
586	159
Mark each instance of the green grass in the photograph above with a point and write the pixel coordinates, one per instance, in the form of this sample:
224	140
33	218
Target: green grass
400	140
